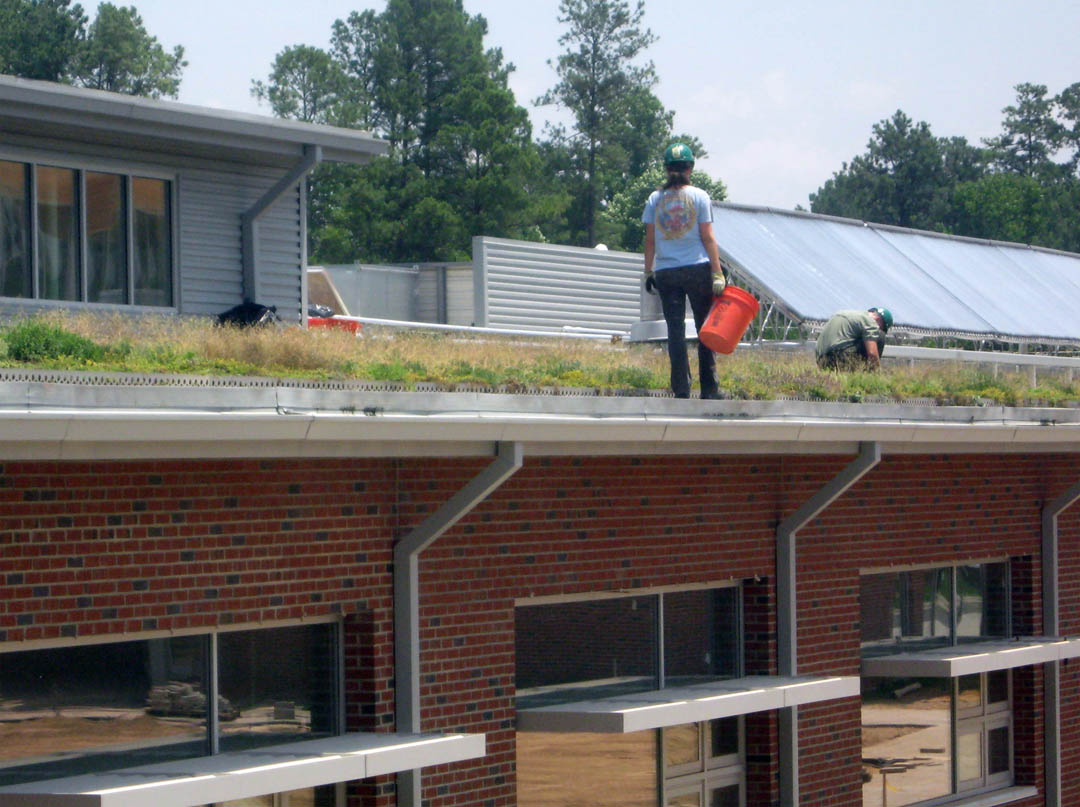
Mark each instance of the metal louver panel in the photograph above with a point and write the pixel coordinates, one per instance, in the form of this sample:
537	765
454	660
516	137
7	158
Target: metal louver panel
519	284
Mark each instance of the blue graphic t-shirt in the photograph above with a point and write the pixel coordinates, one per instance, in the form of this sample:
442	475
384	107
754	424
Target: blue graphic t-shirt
677	212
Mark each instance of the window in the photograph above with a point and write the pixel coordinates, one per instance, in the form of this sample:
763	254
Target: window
602	648
72	710
89	236
930	738
918	608
703	765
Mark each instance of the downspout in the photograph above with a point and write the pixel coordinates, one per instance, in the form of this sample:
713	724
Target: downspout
1052	627
786	618
249	218
508	459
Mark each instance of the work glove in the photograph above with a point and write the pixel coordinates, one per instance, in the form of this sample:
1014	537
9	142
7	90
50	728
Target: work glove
650	283
719	283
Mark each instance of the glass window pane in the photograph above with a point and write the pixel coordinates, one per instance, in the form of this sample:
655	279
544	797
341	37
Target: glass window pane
682	745
969	692
997	687
727	796
969	762
575	651
276	685
906	720
153	241
312	797
106	239
724	736
556	769
982	601
101	707
691	799
14	231
998	740
701	635
253	801
879	606
925	605
58	234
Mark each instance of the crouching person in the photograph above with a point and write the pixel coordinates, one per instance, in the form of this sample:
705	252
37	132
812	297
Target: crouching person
853	340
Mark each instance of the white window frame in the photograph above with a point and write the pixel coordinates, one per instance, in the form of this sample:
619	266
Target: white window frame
708	772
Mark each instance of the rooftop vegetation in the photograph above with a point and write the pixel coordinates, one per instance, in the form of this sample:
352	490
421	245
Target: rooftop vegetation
188	346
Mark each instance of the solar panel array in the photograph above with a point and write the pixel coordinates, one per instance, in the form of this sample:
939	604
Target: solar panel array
815	265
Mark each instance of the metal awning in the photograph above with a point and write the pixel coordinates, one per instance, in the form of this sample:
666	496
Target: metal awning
967	659
675	705
243	774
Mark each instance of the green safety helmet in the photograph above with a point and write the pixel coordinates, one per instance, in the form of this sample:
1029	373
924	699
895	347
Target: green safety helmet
678	153
886	317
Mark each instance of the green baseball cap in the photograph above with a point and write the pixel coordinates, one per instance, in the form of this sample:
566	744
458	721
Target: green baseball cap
886	317
678	153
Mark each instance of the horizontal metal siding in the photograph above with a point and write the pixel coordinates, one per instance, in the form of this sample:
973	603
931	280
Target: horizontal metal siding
211	268
520	284
459	296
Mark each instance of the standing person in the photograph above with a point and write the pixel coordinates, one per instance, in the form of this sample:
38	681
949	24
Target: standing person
853	340
682	261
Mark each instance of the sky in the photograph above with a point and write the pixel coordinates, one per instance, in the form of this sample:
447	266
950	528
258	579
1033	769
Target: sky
781	94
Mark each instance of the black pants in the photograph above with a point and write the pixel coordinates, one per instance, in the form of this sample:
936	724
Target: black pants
675	286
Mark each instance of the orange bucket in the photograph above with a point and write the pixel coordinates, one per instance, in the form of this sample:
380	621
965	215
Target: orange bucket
728	320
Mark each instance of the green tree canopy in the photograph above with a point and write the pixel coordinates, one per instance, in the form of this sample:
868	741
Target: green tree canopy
50	40
40	38
616	118
1030	135
904	178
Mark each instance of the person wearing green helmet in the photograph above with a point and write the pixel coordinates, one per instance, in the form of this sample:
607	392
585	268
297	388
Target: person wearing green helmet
853	340
682	262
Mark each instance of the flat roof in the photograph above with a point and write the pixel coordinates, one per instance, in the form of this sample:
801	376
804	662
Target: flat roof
48	110
244	774
967	659
68	415
673	706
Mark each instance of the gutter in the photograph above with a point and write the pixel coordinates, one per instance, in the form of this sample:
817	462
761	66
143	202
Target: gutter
1052	627
787	606
249	225
508	460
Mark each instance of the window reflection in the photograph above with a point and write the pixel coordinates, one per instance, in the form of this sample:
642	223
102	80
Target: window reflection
700	635
14	231
724	796
969	762
106	239
574	651
969	692
982	601
906	738
1000	754
58	234
276	686
71	710
586	770
692	799
682	745
153	246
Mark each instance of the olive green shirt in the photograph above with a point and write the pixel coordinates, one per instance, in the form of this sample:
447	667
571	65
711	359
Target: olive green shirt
846	331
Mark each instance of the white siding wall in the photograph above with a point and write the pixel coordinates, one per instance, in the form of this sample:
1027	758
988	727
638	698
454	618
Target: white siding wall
519	284
211	276
210	198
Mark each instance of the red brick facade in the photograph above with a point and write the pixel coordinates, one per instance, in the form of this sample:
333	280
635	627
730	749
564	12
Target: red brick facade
95	548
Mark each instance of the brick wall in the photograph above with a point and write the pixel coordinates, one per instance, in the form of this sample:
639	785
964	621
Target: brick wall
88	549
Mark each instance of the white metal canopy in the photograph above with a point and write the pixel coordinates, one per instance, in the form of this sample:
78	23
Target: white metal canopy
243	774
967	659
676	705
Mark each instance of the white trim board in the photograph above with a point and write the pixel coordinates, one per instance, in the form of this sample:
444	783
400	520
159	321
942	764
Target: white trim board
676	705
968	659
243	774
